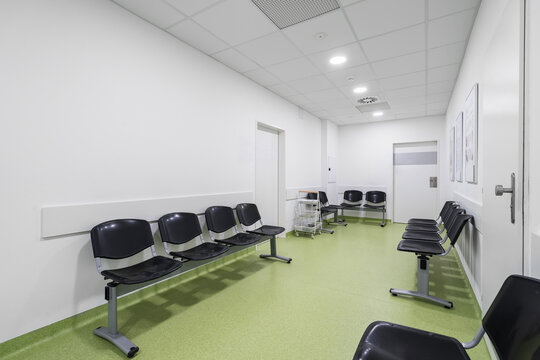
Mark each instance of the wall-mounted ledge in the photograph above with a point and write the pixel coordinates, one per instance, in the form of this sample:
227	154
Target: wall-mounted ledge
72	219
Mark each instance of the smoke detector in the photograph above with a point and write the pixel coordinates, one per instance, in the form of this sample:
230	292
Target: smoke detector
285	13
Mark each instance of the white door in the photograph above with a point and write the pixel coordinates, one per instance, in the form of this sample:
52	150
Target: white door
532	116
499	104
267	174
416	171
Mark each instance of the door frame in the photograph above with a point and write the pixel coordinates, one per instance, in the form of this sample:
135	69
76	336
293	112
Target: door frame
437	145
260	126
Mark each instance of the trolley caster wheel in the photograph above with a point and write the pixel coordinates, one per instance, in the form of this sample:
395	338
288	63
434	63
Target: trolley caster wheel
451	305
320	232
297	234
313	236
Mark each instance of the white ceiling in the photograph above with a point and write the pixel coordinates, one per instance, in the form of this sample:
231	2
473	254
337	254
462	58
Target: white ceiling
406	52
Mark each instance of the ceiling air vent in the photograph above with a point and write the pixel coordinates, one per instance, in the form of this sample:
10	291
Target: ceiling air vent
368	100
285	13
371	103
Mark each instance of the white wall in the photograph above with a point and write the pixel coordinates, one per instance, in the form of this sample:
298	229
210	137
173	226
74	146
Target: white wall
98	106
470	195
366	151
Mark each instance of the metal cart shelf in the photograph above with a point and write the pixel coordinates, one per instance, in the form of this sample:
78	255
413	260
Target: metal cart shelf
307	214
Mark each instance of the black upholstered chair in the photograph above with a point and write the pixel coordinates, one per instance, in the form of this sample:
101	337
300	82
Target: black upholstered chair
421	234
430	221
438	226
512	323
352	198
121	239
426	249
249	216
180	228
327	207
219	220
376	201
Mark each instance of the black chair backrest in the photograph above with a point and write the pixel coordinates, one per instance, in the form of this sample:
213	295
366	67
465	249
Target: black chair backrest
446	207
455	229
219	218
122	238
248	214
323	198
179	228
353	196
513	319
448	213
376	197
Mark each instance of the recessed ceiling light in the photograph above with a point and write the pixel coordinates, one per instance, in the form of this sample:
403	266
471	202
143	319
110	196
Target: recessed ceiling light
336	60
378	113
360	89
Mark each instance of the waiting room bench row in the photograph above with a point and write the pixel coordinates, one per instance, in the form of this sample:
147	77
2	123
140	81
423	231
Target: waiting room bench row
123	238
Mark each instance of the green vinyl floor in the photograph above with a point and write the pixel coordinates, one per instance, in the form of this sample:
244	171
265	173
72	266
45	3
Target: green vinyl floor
316	307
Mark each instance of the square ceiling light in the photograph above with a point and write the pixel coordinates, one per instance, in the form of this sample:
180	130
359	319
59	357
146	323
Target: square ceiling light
285	13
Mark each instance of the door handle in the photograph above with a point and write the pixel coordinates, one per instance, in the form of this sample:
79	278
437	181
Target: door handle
500	190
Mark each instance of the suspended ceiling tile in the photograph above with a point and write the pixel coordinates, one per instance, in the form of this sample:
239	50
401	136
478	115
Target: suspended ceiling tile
401	42
375	17
270	49
325	95
311	84
352	52
441	87
293	70
443	73
371	89
158	13
262	77
358	74
193	34
446	55
190	7
298	99
235	60
412	101
439	98
283	90
400	65
334	27
235	21
438	8
437	108
450	29
403	81
415	91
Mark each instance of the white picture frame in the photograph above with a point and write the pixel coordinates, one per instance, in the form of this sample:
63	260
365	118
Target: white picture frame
452	152
470	136
459	147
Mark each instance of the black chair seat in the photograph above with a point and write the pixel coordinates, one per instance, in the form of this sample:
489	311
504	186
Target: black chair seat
421	247
345	205
240	239
422	228
419	235
370	206
328	209
202	252
147	270
338	207
387	341
267	230
422	221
